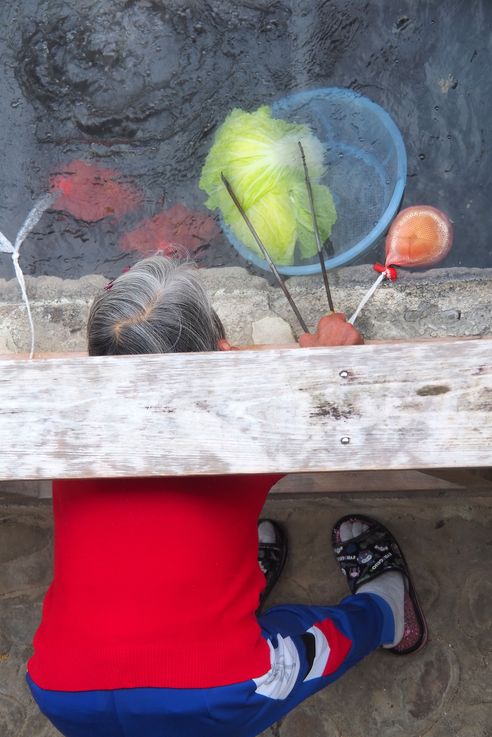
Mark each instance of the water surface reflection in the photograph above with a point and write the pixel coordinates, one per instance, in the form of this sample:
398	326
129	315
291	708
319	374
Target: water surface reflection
139	86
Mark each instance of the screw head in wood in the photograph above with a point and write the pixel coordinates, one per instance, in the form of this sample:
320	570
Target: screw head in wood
344	374
345	440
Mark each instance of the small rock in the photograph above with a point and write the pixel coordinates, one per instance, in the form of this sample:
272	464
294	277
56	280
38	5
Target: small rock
272	329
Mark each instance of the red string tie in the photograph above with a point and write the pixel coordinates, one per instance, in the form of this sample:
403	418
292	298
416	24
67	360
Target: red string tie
389	271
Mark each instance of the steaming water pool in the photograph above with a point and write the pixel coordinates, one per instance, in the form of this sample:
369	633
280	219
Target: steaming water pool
141	86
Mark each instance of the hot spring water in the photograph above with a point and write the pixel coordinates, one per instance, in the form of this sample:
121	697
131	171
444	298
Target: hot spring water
138	88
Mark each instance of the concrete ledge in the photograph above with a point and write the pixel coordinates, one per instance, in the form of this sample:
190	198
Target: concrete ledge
436	303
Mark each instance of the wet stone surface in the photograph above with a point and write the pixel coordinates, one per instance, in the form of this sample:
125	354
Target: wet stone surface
442	692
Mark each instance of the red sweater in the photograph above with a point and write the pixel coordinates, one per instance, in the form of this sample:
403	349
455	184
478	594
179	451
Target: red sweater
156	583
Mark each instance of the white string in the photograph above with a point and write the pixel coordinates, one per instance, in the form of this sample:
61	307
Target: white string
367	297
6	246
22	283
34	217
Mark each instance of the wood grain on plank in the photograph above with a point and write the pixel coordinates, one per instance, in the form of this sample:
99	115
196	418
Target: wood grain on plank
415	405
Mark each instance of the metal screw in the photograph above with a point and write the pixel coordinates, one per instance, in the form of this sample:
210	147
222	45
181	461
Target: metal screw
344	374
345	440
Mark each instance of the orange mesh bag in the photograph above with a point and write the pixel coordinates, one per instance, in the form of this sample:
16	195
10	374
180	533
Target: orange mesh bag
419	236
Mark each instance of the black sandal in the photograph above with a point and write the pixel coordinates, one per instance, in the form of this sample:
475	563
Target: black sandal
272	557
367	556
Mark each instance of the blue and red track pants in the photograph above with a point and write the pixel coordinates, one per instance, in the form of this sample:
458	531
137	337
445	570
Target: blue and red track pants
341	636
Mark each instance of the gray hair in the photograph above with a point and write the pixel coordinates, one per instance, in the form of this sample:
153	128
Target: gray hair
158	306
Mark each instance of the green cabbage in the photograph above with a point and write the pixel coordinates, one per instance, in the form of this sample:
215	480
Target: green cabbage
326	216
275	224
260	157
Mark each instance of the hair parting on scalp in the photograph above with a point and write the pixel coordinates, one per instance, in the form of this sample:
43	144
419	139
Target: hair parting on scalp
158	306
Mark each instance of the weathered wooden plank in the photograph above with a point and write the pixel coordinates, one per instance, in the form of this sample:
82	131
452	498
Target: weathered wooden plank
320	484
464	477
359	482
419	405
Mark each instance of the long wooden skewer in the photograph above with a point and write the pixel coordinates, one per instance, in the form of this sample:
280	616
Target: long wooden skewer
264	251
319	245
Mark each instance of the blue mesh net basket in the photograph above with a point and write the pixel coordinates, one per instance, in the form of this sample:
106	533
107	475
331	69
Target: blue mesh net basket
366	171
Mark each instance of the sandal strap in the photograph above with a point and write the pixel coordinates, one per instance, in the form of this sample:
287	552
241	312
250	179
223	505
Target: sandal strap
271	558
269	553
367	556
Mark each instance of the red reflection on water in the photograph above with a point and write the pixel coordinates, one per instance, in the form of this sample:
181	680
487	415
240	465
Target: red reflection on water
178	231
90	192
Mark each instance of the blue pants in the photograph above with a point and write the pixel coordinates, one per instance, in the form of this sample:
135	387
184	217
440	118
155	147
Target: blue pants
340	637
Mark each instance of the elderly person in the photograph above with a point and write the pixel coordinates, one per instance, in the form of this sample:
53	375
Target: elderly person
150	627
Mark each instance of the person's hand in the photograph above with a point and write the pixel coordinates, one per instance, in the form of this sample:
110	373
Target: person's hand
332	329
